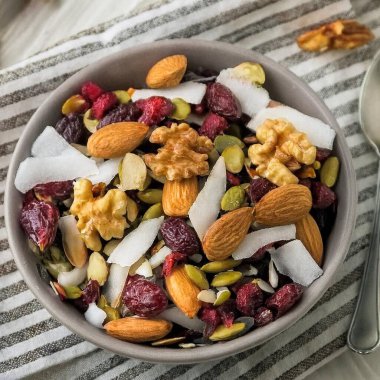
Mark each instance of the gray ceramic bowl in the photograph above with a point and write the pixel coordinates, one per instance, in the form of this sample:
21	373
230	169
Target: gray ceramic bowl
128	68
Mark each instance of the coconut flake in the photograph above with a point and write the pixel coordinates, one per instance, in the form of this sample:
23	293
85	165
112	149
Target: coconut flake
144	269
251	98
191	92
206	207
95	315
175	315
273	276
264	286
115	284
136	243
107	171
207	295
50	143
293	260
159	258
319	133
73	277
194	118
258	239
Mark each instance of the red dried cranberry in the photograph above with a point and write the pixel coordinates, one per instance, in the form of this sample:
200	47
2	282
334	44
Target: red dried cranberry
227	312
211	318
322	154
249	297
154	109
91	91
222	101
284	298
199	109
171	260
233	179
123	112
263	316
213	125
91	292
260	253
237	285
323	196
144	298
71	128
29	197
50	191
259	187
179	236
102	104
305	182
40	221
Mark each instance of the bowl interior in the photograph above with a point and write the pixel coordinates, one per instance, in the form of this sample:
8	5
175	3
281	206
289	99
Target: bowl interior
128	68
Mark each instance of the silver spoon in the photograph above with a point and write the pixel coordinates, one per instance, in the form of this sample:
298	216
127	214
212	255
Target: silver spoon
364	332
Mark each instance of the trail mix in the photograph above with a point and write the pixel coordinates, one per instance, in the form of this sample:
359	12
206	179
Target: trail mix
197	204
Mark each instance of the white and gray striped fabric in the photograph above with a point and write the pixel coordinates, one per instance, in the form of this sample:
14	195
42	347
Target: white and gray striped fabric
32	341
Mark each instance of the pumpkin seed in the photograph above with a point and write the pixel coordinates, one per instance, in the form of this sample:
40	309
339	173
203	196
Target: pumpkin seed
168	341
110	246
249	323
207	296
250	71
226	278
221	142
182	109
122	96
153	212
226	333
132	209
222	296
234	130
248	270
197	276
150	196
72	292
220	266
273	276
187	345
102	302
317	165
112	313
263	285
329	171
132	173
234	158
88	122
197	258
97	268
213	156
161	179
233	198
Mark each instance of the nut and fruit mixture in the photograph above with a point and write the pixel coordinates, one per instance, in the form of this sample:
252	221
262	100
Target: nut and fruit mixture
182	214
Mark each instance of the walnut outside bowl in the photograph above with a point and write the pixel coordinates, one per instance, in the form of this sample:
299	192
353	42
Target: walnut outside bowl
128	68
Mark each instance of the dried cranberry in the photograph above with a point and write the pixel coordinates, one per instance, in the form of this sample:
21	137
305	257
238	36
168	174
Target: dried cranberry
91	292
233	179
29	197
50	191
249	297
123	112
102	104
71	128
171	260
305	182
237	285
259	187
222	101
199	109
213	125
263	316
154	109
260	253
91	91
179	236
144	298
325	219
284	298
40	221
211	318
227	312
322	154
323	196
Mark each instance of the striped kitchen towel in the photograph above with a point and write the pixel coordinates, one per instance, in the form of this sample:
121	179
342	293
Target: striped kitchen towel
32	343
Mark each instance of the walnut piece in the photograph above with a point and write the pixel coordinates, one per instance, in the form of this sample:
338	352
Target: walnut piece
282	149
101	216
184	154
340	34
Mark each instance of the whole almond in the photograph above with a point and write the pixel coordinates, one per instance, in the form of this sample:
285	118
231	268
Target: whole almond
284	205
117	139
168	72
308	232
183	291
224	236
179	195
133	329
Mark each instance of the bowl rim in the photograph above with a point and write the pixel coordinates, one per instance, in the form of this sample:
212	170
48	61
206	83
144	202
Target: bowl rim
216	351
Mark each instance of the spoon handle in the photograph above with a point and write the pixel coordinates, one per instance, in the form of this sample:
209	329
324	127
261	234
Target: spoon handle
364	332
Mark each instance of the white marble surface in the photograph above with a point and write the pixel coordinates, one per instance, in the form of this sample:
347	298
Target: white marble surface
27	27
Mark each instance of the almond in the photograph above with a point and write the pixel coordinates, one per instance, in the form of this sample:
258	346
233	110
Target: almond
133	329
117	139
284	205
224	236
308	232
167	72
179	195
183	291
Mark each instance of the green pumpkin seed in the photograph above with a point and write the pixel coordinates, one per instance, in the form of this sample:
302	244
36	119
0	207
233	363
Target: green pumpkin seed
233	198
220	266
122	96
112	313
197	276
329	171
234	158
150	196
226	333
168	341
55	268
72	292
207	296
250	71
221	142
153	212
88	122
182	109
226	278
102	302
222	296
234	130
